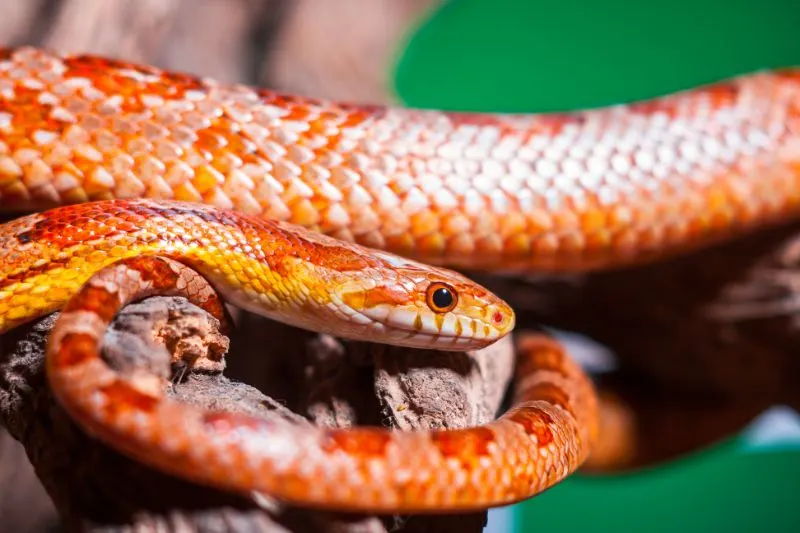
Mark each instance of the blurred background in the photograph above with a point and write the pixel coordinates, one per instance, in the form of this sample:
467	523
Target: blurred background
483	55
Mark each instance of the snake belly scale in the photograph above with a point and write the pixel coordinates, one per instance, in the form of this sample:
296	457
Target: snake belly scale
557	192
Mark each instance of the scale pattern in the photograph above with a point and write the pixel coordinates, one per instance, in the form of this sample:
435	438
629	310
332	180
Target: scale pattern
557	192
543	438
284	272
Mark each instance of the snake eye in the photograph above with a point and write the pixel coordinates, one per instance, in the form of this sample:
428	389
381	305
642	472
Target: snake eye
441	297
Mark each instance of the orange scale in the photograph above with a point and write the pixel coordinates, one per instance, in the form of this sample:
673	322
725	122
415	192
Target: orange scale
490	245
535	422
466	445
424	223
433	244
297	112
123	397
73	196
359	442
133	105
460	245
209	140
30	117
75	349
517	245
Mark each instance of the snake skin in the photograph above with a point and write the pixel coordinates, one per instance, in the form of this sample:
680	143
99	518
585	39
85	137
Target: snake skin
551	192
590	189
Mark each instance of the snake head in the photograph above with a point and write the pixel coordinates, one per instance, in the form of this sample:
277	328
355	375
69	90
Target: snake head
422	306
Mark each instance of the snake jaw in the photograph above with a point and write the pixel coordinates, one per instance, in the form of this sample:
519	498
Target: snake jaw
419	328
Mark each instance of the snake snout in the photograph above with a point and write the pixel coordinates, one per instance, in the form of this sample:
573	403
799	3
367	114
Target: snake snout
501	317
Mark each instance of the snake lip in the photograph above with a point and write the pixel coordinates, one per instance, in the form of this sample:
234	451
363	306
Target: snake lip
442	343
440	340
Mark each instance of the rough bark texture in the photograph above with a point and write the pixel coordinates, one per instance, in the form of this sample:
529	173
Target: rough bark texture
338	384
703	342
232	40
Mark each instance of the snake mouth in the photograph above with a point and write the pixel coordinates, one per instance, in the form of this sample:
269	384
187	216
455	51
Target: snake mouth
430	330
445	342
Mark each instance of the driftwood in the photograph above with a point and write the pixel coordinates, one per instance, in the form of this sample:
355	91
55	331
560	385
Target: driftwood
341	385
231	40
703	342
337	384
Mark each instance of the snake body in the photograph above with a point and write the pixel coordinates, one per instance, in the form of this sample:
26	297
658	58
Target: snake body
285	273
556	192
538	442
572	191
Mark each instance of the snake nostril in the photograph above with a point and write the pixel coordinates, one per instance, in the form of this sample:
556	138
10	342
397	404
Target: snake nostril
497	318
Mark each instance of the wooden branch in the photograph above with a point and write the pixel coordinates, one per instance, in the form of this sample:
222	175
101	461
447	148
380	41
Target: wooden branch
338	384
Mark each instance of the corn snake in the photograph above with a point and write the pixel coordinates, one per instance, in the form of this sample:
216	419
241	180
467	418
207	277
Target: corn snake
544	192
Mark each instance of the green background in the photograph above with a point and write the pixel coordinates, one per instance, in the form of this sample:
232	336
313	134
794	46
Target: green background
528	56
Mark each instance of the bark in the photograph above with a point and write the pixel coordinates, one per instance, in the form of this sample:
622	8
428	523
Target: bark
231	40
337	384
701	343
